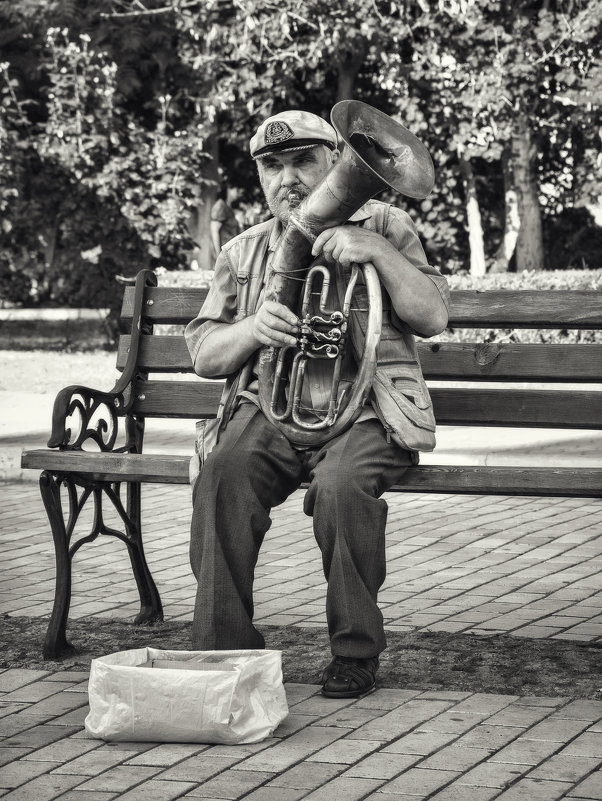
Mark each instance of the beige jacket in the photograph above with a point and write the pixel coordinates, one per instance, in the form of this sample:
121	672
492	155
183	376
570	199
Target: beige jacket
399	397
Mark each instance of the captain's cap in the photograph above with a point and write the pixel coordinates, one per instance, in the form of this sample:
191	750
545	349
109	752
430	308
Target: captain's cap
291	130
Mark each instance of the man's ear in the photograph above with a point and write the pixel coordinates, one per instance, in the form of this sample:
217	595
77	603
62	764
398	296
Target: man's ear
334	156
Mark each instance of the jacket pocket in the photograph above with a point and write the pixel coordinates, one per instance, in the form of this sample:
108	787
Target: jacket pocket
205	440
405	404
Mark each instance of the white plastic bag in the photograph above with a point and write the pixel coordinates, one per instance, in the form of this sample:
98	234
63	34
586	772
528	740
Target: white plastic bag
238	697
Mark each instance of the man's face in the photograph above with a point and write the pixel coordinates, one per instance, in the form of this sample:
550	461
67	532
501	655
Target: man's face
286	178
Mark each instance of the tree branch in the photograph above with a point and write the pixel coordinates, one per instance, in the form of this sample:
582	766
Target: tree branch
177	5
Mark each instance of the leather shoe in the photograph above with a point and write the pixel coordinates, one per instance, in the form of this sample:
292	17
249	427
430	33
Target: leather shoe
348	677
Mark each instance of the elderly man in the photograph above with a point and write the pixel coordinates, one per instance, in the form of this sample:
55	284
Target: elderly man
253	466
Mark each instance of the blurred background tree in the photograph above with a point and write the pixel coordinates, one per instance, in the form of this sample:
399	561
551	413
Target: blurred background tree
119	120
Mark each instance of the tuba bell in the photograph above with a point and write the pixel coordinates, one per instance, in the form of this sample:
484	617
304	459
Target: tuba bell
379	152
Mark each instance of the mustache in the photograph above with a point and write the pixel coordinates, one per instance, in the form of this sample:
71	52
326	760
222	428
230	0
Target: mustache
295	194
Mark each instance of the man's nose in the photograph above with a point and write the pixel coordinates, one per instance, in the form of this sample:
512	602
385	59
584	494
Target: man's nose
290	176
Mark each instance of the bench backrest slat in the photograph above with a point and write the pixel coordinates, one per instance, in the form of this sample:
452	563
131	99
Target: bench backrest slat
457	406
469	309
445	360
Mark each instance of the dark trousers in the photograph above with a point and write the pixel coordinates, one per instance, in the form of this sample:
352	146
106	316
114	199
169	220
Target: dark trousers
254	468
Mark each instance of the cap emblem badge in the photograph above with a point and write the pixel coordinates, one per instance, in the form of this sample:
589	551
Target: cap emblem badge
276	132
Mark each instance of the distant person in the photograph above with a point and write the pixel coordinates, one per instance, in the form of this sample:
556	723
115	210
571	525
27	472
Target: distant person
224	222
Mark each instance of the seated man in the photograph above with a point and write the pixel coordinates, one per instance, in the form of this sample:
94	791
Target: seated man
253	467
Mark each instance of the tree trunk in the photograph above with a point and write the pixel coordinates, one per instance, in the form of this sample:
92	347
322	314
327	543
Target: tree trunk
473	217
200	221
529	245
349	66
511	220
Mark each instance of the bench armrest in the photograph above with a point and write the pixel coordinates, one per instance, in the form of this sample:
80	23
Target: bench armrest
85	415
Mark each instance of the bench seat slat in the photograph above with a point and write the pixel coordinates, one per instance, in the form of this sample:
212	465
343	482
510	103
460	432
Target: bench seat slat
469	308
440	360
154	468
173	469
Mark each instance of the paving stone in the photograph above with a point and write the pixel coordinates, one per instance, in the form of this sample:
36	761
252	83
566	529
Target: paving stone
386	699
294	749
401	720
120	778
454	722
77	795
516	715
295	693
534	790
491	737
589	788
262	794
526	752
300	777
493	774
36	691
318	705
19	722
19	772
38	736
566	768
8	708
351	717
8	755
62	750
420	782
69	675
200	768
455	757
420	742
231	784
346	751
153	790
44	788
556	730
586	744
384	795
582	710
463	792
94	762
75	717
14	678
349	788
382	765
166	754
293	723
485	703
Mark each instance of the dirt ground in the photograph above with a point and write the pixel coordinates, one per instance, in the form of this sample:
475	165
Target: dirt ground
426	661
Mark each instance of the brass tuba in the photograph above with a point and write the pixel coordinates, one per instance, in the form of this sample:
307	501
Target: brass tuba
379	152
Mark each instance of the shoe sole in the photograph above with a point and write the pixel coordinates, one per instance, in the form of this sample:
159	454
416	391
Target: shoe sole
350	693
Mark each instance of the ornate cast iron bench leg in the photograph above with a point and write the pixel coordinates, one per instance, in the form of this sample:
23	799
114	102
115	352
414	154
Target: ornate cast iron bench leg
151	610
55	644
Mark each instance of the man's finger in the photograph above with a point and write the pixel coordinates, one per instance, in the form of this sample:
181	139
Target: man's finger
321	240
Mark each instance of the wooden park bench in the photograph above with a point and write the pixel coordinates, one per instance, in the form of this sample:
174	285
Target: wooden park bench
96	447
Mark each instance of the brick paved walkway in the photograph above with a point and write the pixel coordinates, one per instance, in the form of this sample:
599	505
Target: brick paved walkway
525	566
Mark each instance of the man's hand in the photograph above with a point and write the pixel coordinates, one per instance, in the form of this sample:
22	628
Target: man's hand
347	245
275	324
